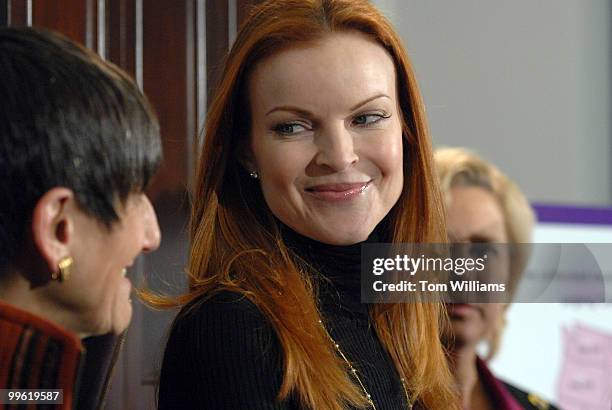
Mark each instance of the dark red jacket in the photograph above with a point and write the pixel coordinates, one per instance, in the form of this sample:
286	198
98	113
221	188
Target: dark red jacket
37	354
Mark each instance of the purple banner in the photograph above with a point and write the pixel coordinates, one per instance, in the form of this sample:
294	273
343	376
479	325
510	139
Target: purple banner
573	214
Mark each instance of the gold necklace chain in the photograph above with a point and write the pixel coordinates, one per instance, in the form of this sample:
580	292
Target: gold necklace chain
356	374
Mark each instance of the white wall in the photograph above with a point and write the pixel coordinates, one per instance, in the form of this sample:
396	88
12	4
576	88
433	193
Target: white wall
527	84
534	352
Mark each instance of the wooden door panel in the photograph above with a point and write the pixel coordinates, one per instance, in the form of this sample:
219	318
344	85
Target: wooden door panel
17	12
77	19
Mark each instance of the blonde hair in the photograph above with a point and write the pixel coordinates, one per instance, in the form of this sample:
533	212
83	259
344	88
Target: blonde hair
460	167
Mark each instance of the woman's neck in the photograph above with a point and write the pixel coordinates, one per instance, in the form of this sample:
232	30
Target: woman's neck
336	271
340	262
465	370
17	291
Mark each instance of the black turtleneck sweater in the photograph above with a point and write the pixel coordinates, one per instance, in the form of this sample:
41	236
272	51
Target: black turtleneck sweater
224	353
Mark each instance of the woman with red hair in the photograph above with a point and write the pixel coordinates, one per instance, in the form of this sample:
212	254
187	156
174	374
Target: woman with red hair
315	142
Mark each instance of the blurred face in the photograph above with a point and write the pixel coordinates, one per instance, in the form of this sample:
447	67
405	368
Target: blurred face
98	292
475	216
326	137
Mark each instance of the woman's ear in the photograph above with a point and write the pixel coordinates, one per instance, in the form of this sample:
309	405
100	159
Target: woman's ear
53	225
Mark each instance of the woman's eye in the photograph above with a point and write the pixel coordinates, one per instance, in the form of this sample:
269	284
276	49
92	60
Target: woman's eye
365	120
289	128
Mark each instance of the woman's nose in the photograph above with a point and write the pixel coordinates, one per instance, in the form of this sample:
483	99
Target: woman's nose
152	234
336	148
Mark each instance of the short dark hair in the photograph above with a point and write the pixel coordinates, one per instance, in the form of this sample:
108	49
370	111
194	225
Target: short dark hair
70	119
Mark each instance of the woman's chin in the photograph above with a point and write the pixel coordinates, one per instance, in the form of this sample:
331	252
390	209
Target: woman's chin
341	230
122	318
122	309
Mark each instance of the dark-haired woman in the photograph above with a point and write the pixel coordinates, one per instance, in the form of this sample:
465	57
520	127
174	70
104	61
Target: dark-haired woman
78	145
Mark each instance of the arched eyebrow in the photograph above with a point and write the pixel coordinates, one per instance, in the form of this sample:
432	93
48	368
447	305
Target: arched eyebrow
367	100
290	108
306	113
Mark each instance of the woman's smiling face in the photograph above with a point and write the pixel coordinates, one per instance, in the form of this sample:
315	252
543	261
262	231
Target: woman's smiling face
326	137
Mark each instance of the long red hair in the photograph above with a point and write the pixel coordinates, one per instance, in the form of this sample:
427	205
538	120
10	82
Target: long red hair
236	244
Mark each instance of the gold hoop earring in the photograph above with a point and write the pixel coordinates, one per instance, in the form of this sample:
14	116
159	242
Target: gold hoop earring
65	269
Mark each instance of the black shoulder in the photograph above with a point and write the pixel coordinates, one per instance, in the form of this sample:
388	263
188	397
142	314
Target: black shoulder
222	353
529	401
226	311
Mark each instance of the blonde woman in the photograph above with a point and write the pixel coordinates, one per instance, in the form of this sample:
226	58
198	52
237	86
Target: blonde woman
484	206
